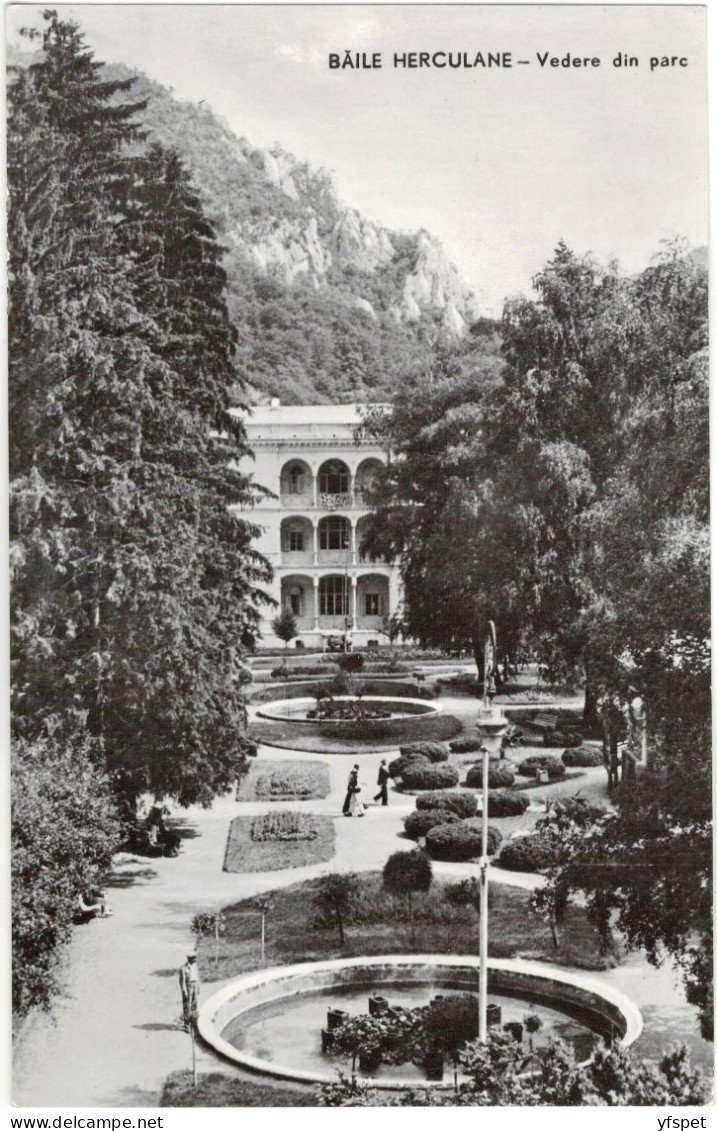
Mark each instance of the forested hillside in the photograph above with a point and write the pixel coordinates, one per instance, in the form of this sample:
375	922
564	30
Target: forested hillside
329	306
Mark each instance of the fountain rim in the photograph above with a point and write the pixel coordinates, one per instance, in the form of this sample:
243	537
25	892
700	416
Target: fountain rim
269	710
209	1010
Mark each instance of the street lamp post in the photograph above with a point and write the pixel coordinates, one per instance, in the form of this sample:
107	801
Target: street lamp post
491	725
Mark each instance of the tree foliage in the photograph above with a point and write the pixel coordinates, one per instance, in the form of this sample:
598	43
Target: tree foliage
63	834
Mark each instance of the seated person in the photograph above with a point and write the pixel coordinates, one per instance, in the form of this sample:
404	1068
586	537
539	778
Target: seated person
92	907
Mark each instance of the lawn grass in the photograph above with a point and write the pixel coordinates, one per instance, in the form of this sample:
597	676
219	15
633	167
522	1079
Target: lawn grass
216	1089
316	775
379	925
246	855
299	736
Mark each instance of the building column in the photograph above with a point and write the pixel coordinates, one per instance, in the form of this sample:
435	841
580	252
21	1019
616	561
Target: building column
354	598
315	530
352	541
316	603
395	592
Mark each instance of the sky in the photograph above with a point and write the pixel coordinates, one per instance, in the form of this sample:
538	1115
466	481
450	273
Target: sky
498	163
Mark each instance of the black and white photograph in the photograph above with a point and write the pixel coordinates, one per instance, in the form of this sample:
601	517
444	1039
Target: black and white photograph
358	438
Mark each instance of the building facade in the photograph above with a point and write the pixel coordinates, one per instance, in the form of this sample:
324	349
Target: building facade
308	457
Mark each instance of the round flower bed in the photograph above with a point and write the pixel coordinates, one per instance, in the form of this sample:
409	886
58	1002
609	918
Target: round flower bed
462	804
507	803
418	823
552	766
422	775
583	756
461	841
499	776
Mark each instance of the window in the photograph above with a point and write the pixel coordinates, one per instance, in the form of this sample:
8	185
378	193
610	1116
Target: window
333	597
334	533
372	604
334	478
296	540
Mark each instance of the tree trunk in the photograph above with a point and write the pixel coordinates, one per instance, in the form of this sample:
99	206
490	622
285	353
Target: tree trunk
590	715
410	916
341	929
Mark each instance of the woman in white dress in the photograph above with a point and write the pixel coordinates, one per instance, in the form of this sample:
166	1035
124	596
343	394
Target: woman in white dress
356	805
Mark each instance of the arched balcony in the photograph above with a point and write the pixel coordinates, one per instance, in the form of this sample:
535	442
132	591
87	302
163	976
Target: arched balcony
372	601
365	479
296	485
334	485
297	594
297	541
334	593
362	527
335	541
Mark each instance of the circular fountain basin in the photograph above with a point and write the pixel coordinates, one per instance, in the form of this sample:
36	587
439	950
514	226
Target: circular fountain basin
270	1021
294	710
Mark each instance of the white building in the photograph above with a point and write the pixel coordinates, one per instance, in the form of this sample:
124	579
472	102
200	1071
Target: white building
308	457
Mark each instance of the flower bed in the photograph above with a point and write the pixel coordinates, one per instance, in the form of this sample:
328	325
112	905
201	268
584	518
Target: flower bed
284	781
246	854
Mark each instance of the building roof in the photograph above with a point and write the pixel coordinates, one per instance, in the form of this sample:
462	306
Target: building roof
276	421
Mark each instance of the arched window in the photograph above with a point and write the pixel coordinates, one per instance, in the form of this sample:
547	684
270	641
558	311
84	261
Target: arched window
334	533
334	478
294	600
292	537
333	597
295	479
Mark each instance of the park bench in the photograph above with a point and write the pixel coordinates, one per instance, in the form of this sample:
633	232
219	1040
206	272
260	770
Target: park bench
545	722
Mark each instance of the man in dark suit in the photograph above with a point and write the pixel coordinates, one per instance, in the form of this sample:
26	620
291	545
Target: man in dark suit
383	776
350	790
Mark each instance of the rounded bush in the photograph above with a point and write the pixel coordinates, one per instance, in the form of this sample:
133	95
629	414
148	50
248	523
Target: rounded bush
462	804
465	745
552	766
398	765
422	775
430	751
583	756
507	803
420	821
499	776
526	854
461	841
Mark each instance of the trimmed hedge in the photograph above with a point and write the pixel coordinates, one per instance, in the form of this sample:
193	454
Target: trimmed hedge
461	841
420	821
465	745
526	853
507	803
462	804
552	766
555	738
422	775
430	751
499	776
583	756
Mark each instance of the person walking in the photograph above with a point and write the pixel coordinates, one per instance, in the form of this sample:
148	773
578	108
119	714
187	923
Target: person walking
383	776
189	985
351	789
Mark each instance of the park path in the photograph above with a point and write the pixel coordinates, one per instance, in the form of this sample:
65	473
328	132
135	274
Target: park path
111	1038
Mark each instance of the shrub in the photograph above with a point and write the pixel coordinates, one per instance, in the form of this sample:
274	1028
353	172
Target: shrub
507	803
420	821
462	804
422	775
527	853
575	809
554	738
398	765
297	670
284	825
552	766
499	776
430	751
465	745
461	841
583	756
350	662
